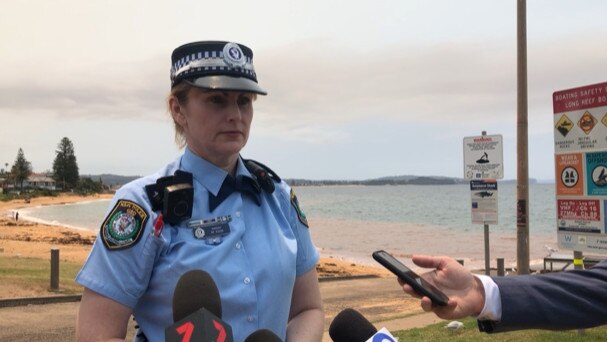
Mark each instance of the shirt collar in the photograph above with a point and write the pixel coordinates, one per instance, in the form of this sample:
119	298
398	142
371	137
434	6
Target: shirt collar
207	173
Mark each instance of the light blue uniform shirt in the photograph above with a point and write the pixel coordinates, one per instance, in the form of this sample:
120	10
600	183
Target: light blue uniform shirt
254	266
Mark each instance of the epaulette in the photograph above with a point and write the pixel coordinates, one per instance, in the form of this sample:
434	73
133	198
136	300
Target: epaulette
265	176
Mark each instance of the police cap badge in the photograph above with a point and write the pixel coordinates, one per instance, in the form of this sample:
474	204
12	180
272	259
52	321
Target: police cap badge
215	65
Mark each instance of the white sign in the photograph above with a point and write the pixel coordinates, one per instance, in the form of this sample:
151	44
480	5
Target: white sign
483	195
483	157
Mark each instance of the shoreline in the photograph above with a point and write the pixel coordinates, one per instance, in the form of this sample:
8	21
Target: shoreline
329	230
27	238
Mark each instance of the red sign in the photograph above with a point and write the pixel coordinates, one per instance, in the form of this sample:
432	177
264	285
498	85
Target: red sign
580	98
589	210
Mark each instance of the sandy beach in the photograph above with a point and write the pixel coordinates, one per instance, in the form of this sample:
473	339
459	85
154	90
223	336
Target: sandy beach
34	240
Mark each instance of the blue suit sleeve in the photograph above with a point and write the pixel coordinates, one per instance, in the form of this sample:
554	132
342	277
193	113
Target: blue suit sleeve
557	301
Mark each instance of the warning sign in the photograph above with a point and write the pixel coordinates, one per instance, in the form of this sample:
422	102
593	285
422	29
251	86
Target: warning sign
587	122
564	125
483	157
569	174
579	216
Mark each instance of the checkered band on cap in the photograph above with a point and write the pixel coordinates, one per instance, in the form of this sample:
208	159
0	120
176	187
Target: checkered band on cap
212	58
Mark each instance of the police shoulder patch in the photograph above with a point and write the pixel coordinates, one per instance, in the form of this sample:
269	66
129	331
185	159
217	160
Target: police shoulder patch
300	214
124	225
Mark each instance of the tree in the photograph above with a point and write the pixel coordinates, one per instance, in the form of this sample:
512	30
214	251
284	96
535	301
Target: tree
21	169
65	167
88	186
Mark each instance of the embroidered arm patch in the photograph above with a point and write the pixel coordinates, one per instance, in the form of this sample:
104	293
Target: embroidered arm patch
300	214
124	225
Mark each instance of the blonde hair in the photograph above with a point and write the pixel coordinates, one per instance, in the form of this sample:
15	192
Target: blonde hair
180	92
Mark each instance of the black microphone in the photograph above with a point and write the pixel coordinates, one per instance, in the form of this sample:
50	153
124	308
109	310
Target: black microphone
197	311
350	326
263	335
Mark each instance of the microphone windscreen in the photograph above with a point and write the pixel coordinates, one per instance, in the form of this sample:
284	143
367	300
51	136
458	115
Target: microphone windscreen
195	289
350	326
263	335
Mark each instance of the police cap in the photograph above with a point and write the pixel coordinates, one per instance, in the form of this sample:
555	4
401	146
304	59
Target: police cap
215	65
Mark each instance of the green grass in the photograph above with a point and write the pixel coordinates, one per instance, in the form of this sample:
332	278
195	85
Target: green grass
34	274
469	332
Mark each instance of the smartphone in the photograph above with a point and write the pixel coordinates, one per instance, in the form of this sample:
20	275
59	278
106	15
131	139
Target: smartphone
420	286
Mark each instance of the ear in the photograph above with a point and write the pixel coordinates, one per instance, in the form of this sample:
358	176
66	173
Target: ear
177	111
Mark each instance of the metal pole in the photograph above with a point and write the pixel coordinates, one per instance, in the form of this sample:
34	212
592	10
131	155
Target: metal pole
487	258
578	264
522	179
486	226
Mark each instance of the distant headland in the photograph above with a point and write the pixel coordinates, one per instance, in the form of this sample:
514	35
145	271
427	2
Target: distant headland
115	181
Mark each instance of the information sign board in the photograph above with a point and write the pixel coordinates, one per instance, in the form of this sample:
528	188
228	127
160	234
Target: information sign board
580	145
483	194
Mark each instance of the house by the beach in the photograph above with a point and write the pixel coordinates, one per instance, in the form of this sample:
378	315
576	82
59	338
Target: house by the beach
40	181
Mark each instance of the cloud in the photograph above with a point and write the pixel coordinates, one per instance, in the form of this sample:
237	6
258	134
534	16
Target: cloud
113	91
312	82
319	90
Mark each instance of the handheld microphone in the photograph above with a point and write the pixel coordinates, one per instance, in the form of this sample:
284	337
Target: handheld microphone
197	311
350	326
263	335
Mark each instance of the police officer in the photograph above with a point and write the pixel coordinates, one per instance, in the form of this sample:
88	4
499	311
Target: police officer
210	210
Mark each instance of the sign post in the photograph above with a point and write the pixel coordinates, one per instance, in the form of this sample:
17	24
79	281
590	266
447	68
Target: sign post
483	164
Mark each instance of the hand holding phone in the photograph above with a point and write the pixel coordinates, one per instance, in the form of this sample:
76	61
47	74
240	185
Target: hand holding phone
420	286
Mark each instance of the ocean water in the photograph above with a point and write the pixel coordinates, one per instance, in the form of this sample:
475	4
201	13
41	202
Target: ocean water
351	222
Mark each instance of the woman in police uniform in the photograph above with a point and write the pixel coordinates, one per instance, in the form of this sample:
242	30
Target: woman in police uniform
245	227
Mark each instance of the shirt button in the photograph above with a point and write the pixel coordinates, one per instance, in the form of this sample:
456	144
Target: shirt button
247	280
250	318
237	214
238	245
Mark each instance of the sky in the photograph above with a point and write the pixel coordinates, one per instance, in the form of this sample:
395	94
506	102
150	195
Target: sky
357	89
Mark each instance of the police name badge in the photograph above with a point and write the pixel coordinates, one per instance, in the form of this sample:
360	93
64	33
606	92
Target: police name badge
124	225
212	230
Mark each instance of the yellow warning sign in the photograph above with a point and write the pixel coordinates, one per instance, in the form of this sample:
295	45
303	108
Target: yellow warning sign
587	122
604	120
564	125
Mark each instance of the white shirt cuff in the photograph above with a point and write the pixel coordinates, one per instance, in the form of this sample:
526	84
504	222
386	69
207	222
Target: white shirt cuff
492	310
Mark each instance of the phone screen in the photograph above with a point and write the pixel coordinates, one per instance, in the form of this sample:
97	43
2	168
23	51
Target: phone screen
413	279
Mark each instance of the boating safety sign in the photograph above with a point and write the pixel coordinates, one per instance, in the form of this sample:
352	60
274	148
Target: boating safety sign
580	147
483	157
